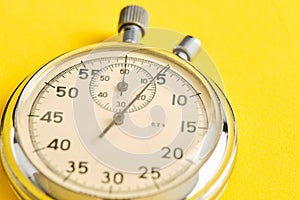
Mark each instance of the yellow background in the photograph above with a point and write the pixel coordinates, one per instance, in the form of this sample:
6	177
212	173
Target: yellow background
255	45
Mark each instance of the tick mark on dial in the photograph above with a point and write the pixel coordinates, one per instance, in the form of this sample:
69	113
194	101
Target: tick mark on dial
39	149
83	64
198	94
49	84
67	177
156	185
190	161
202	127
32	115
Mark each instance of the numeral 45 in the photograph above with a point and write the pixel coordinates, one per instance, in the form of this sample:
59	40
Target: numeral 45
51	116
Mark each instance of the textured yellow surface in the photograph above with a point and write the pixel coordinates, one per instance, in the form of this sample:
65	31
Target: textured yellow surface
255	44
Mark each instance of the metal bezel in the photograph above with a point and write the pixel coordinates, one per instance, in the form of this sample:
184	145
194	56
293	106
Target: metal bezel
26	189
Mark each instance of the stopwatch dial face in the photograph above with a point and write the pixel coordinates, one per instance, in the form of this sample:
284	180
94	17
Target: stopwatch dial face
115	123
113	86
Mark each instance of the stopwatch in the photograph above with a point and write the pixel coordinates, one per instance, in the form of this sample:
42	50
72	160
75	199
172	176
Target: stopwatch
122	119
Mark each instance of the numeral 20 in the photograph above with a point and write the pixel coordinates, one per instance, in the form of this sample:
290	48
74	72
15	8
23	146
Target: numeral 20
169	153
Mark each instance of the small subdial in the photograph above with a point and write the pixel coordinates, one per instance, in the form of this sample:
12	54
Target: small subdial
114	86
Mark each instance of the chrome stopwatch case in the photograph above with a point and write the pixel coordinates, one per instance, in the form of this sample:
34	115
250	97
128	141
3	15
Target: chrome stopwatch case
120	120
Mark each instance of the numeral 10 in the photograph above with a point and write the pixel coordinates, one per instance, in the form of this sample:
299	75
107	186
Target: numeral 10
180	100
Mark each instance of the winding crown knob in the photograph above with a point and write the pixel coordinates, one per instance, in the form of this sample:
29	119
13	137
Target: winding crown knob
133	15
133	22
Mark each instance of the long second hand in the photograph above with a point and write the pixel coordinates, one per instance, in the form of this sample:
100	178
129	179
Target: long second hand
165	69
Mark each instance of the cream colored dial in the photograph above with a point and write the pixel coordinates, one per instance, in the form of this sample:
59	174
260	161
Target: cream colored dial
88	135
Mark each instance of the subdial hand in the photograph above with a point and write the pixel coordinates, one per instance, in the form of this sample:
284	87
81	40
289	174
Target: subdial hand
123	86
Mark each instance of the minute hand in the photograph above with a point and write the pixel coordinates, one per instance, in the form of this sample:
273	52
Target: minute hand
165	69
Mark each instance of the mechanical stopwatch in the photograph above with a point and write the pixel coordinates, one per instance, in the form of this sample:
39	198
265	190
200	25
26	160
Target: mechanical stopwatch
120	120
